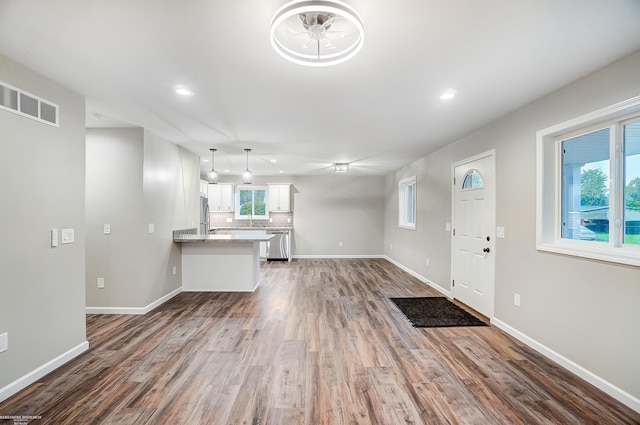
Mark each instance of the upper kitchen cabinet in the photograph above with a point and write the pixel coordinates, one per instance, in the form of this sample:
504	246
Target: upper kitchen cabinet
280	197
204	189
221	197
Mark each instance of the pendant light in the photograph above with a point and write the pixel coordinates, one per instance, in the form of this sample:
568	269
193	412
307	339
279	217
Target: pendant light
247	176
212	175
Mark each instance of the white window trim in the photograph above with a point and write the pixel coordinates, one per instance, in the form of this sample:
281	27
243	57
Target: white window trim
548	188
402	187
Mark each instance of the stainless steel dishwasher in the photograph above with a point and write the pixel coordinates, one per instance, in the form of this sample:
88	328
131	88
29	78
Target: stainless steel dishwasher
278	246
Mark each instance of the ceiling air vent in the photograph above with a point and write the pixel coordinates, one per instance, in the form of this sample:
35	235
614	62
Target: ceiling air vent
28	105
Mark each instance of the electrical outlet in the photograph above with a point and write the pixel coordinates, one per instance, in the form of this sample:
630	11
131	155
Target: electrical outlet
174	270
390	246
288	219
4	342
270	220
101	282
516	300
229	220
339	243
107	229
152	228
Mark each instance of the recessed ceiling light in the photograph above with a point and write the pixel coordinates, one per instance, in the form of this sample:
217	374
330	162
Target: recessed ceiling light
281	171
273	161
183	91
448	94
205	160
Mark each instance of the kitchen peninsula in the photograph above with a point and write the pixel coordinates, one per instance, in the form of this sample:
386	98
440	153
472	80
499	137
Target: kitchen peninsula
220	263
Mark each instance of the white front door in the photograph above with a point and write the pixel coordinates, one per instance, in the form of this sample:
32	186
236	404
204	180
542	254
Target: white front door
473	259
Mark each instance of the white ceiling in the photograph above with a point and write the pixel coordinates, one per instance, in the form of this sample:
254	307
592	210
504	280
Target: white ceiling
379	111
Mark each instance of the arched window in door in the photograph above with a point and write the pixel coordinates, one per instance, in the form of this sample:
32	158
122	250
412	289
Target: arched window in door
472	180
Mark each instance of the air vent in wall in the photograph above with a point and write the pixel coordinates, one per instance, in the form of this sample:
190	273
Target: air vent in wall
20	102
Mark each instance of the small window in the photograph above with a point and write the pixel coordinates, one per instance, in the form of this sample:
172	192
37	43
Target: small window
407	201
472	180
251	202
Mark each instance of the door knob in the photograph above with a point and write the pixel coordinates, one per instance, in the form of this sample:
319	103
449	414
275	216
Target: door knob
487	250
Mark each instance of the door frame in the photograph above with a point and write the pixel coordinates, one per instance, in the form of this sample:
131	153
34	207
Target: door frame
491	154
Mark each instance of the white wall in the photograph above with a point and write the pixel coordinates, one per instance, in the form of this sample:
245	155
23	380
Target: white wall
42	187
114	196
135	178
585	311
171	185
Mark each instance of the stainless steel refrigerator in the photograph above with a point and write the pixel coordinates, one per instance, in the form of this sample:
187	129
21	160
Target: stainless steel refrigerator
204	216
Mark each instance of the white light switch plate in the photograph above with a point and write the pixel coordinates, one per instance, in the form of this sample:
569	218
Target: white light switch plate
447	227
229	220
500	232
152	228
107	229
68	236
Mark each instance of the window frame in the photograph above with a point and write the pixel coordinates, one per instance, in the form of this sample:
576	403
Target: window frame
549	185
403	186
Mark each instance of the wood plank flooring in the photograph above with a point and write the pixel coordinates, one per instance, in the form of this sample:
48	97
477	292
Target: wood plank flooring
318	343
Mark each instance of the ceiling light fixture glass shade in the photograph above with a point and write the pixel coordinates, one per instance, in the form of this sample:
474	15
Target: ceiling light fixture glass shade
247	176
317	32
212	175
341	167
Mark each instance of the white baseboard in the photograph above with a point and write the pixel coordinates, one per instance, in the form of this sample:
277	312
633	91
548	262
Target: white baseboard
420	277
31	377
337	256
133	310
598	382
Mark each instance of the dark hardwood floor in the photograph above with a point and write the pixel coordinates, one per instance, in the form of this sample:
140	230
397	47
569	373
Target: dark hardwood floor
318	343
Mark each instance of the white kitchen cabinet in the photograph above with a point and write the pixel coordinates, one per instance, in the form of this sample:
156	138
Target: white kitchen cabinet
280	197
221	197
204	190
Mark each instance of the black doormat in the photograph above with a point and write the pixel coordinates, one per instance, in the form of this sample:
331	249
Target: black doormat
435	312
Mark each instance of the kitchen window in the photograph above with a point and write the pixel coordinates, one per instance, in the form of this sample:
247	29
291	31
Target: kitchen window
407	203
251	202
588	197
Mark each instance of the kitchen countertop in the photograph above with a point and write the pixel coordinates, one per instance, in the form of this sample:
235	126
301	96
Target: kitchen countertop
222	238
251	228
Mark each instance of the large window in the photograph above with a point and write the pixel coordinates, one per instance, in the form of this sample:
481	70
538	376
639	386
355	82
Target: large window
589	185
251	202
407	207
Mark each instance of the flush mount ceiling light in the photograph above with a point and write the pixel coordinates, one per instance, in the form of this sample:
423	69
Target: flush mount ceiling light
341	167
212	174
317	32
247	176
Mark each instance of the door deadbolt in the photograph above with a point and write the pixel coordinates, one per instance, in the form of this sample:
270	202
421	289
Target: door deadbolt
487	250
